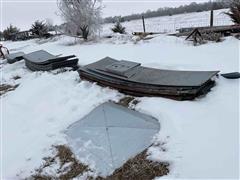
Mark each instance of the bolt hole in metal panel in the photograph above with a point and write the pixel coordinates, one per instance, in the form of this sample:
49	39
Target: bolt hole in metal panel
111	134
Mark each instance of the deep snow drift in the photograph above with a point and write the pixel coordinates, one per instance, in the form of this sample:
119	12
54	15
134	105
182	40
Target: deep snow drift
201	137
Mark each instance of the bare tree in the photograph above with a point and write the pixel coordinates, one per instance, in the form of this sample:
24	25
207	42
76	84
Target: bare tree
82	17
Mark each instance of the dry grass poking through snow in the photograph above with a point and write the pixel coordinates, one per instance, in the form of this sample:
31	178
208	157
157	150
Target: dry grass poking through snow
138	167
4	88
69	166
128	101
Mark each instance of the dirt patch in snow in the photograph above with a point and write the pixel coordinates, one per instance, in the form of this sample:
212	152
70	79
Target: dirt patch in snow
16	77
68	167
128	101
139	168
4	88
65	69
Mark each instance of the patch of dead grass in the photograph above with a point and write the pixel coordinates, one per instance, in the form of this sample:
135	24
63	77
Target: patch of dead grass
76	168
139	168
127	101
4	88
16	77
65	156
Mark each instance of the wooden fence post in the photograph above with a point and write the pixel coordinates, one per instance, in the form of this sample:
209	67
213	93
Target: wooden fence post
211	18
144	30
211	15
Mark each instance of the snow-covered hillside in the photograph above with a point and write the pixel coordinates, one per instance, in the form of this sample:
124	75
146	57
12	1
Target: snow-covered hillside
200	137
170	23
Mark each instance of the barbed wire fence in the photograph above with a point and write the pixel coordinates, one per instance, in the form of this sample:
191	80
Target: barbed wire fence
172	24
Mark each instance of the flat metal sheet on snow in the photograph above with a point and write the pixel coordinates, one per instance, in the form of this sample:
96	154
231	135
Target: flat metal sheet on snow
44	61
173	78
154	76
111	134
39	56
14	57
51	66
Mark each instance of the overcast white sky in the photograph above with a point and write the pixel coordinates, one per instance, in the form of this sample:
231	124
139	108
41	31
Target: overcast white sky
22	13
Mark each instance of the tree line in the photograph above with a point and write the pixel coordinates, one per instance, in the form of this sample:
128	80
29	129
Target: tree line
82	18
168	11
38	29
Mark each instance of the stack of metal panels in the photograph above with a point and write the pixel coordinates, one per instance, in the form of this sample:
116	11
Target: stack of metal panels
14	57
44	61
134	79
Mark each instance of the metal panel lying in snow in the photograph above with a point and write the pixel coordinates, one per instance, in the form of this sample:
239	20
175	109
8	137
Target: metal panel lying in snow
43	57
110	135
157	76
122	67
39	56
44	61
14	57
144	81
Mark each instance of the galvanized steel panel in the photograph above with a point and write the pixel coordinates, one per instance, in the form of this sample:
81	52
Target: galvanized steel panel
110	135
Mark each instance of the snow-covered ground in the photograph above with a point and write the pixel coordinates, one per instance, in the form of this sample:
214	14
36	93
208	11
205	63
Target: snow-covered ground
201	136
170	23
